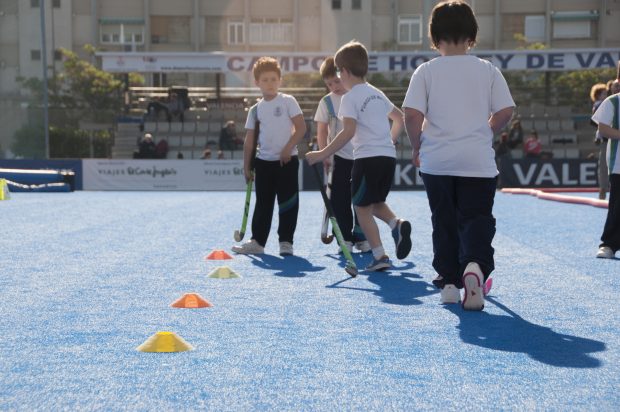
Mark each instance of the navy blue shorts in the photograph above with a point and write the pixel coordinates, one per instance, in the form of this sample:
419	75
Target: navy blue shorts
371	179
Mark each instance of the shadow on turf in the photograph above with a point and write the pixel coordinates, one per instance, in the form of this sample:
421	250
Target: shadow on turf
289	266
512	333
394	288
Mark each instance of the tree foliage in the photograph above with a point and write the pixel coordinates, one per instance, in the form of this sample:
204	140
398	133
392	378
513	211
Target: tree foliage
79	92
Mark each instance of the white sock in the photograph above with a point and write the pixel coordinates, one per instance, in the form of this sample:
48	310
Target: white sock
378	252
393	223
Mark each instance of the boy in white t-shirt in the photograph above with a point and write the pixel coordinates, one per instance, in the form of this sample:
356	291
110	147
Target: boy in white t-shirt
365	112
281	128
454	105
607	116
341	163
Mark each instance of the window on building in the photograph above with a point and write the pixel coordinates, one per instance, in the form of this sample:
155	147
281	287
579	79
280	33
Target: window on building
35	54
56	4
170	29
573	24
121	33
356	4
235	32
271	31
534	29
57	55
34	4
336	4
410	29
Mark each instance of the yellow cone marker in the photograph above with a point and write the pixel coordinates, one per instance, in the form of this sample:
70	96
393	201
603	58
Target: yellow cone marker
223	272
4	190
165	342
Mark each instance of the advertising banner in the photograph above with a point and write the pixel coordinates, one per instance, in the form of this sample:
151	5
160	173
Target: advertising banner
106	174
505	60
550	173
406	177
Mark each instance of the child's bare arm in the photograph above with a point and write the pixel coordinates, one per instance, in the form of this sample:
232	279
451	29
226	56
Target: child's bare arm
396	115
339	141
298	135
608	131
321	138
413	123
500	119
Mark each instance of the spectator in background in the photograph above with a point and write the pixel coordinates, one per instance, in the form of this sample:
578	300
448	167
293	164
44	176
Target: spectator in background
598	93
532	146
515	134
206	154
179	155
161	150
173	107
228	136
220	154
146	148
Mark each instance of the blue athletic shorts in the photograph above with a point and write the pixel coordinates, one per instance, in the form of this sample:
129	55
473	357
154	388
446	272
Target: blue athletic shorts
371	179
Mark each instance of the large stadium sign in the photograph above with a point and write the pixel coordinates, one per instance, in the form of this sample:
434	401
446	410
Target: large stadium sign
220	62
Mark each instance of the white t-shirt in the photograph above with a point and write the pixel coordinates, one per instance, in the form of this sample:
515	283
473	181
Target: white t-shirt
276	126
457	95
608	113
370	108
334	124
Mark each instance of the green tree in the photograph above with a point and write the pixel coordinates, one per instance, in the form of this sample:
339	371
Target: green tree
79	92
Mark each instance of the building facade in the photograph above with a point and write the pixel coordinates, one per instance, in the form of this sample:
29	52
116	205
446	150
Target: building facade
271	25
279	25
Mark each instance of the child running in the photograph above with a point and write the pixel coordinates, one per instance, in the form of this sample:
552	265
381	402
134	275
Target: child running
281	128
607	116
327	127
454	105
365	112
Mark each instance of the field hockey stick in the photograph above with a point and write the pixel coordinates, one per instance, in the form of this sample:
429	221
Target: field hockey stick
350	267
325	237
246	211
238	236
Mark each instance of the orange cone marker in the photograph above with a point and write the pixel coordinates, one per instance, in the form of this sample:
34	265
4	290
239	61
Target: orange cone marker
165	342
191	301
218	254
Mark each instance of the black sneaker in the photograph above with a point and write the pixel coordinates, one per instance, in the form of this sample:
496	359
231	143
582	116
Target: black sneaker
380	264
402	238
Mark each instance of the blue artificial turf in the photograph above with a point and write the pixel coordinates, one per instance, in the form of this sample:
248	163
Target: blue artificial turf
87	277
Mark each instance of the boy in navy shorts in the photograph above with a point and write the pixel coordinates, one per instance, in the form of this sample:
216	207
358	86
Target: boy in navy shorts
282	127
341	163
454	105
365	112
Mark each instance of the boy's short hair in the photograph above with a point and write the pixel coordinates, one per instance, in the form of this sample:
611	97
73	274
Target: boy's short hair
453	22
353	57
328	68
266	64
596	90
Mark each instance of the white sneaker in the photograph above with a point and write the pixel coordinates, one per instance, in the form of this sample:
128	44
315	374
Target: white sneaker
349	246
286	249
473	281
605	252
450	294
363	246
251	247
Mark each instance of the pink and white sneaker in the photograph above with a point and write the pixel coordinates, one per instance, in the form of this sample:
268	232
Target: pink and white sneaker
473	282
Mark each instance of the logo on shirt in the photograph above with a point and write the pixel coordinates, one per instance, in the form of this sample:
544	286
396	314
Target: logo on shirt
277	111
368	100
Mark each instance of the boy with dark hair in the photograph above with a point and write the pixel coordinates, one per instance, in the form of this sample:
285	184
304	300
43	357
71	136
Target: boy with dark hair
607	116
327	127
451	120
282	127
365	112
